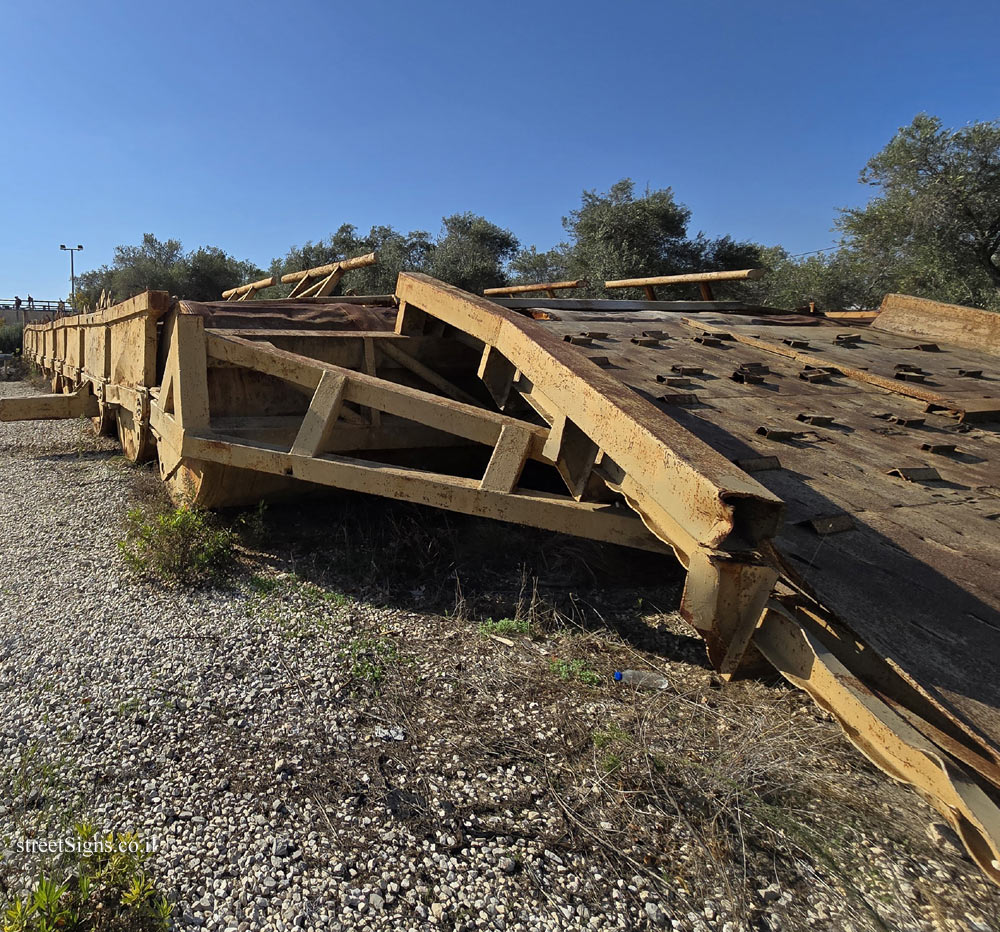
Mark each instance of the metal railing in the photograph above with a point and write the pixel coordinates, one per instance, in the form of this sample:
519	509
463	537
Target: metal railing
36	305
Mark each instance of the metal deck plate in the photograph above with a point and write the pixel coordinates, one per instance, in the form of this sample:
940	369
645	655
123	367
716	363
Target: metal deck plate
917	575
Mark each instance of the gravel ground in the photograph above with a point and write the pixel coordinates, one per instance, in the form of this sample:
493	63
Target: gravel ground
303	753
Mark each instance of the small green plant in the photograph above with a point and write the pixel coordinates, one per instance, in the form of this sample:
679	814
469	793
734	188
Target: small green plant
105	888
297	607
293	587
182	545
611	763
333	597
264	585
505	626
129	706
575	670
252	525
369	658
611	742
609	735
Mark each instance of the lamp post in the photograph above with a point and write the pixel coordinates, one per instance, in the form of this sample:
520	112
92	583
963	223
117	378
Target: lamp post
72	270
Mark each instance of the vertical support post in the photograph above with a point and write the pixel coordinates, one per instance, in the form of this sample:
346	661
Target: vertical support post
374	415
497	374
324	409
508	459
574	454
191	375
410	321
724	599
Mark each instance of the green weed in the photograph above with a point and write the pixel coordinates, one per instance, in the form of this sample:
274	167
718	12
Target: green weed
298	608
611	763
609	735
575	670
369	658
505	626
182	545
104	886
252	525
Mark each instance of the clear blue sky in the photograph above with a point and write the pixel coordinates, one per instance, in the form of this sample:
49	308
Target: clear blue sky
257	125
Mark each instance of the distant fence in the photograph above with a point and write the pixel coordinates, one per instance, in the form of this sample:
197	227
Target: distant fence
36	311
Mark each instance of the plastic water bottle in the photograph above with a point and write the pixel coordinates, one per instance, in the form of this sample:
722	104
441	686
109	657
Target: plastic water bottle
641	679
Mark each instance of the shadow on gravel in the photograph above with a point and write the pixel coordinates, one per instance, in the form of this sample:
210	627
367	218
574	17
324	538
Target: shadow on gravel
85	455
422	559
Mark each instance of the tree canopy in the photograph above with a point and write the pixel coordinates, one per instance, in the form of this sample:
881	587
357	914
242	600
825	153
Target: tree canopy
932	229
617	234
396	252
470	252
162	265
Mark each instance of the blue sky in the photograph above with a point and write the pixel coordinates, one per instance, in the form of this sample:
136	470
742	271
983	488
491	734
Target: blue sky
257	125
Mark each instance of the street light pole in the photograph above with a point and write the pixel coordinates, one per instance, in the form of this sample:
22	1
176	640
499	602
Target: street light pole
72	269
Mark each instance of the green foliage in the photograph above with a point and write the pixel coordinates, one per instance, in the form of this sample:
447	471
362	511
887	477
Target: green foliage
11	336
933	229
617	234
575	670
833	281
105	887
530	266
183	545
162	265
208	271
612	235
369	658
609	735
251	525
472	253
396	251
505	626
343	244
611	763
722	254
296	607
264	585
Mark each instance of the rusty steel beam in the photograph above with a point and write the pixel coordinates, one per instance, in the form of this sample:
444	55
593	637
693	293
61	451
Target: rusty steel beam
687	493
80	403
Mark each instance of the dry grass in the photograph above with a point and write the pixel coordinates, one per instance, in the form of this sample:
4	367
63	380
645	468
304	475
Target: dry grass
704	793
